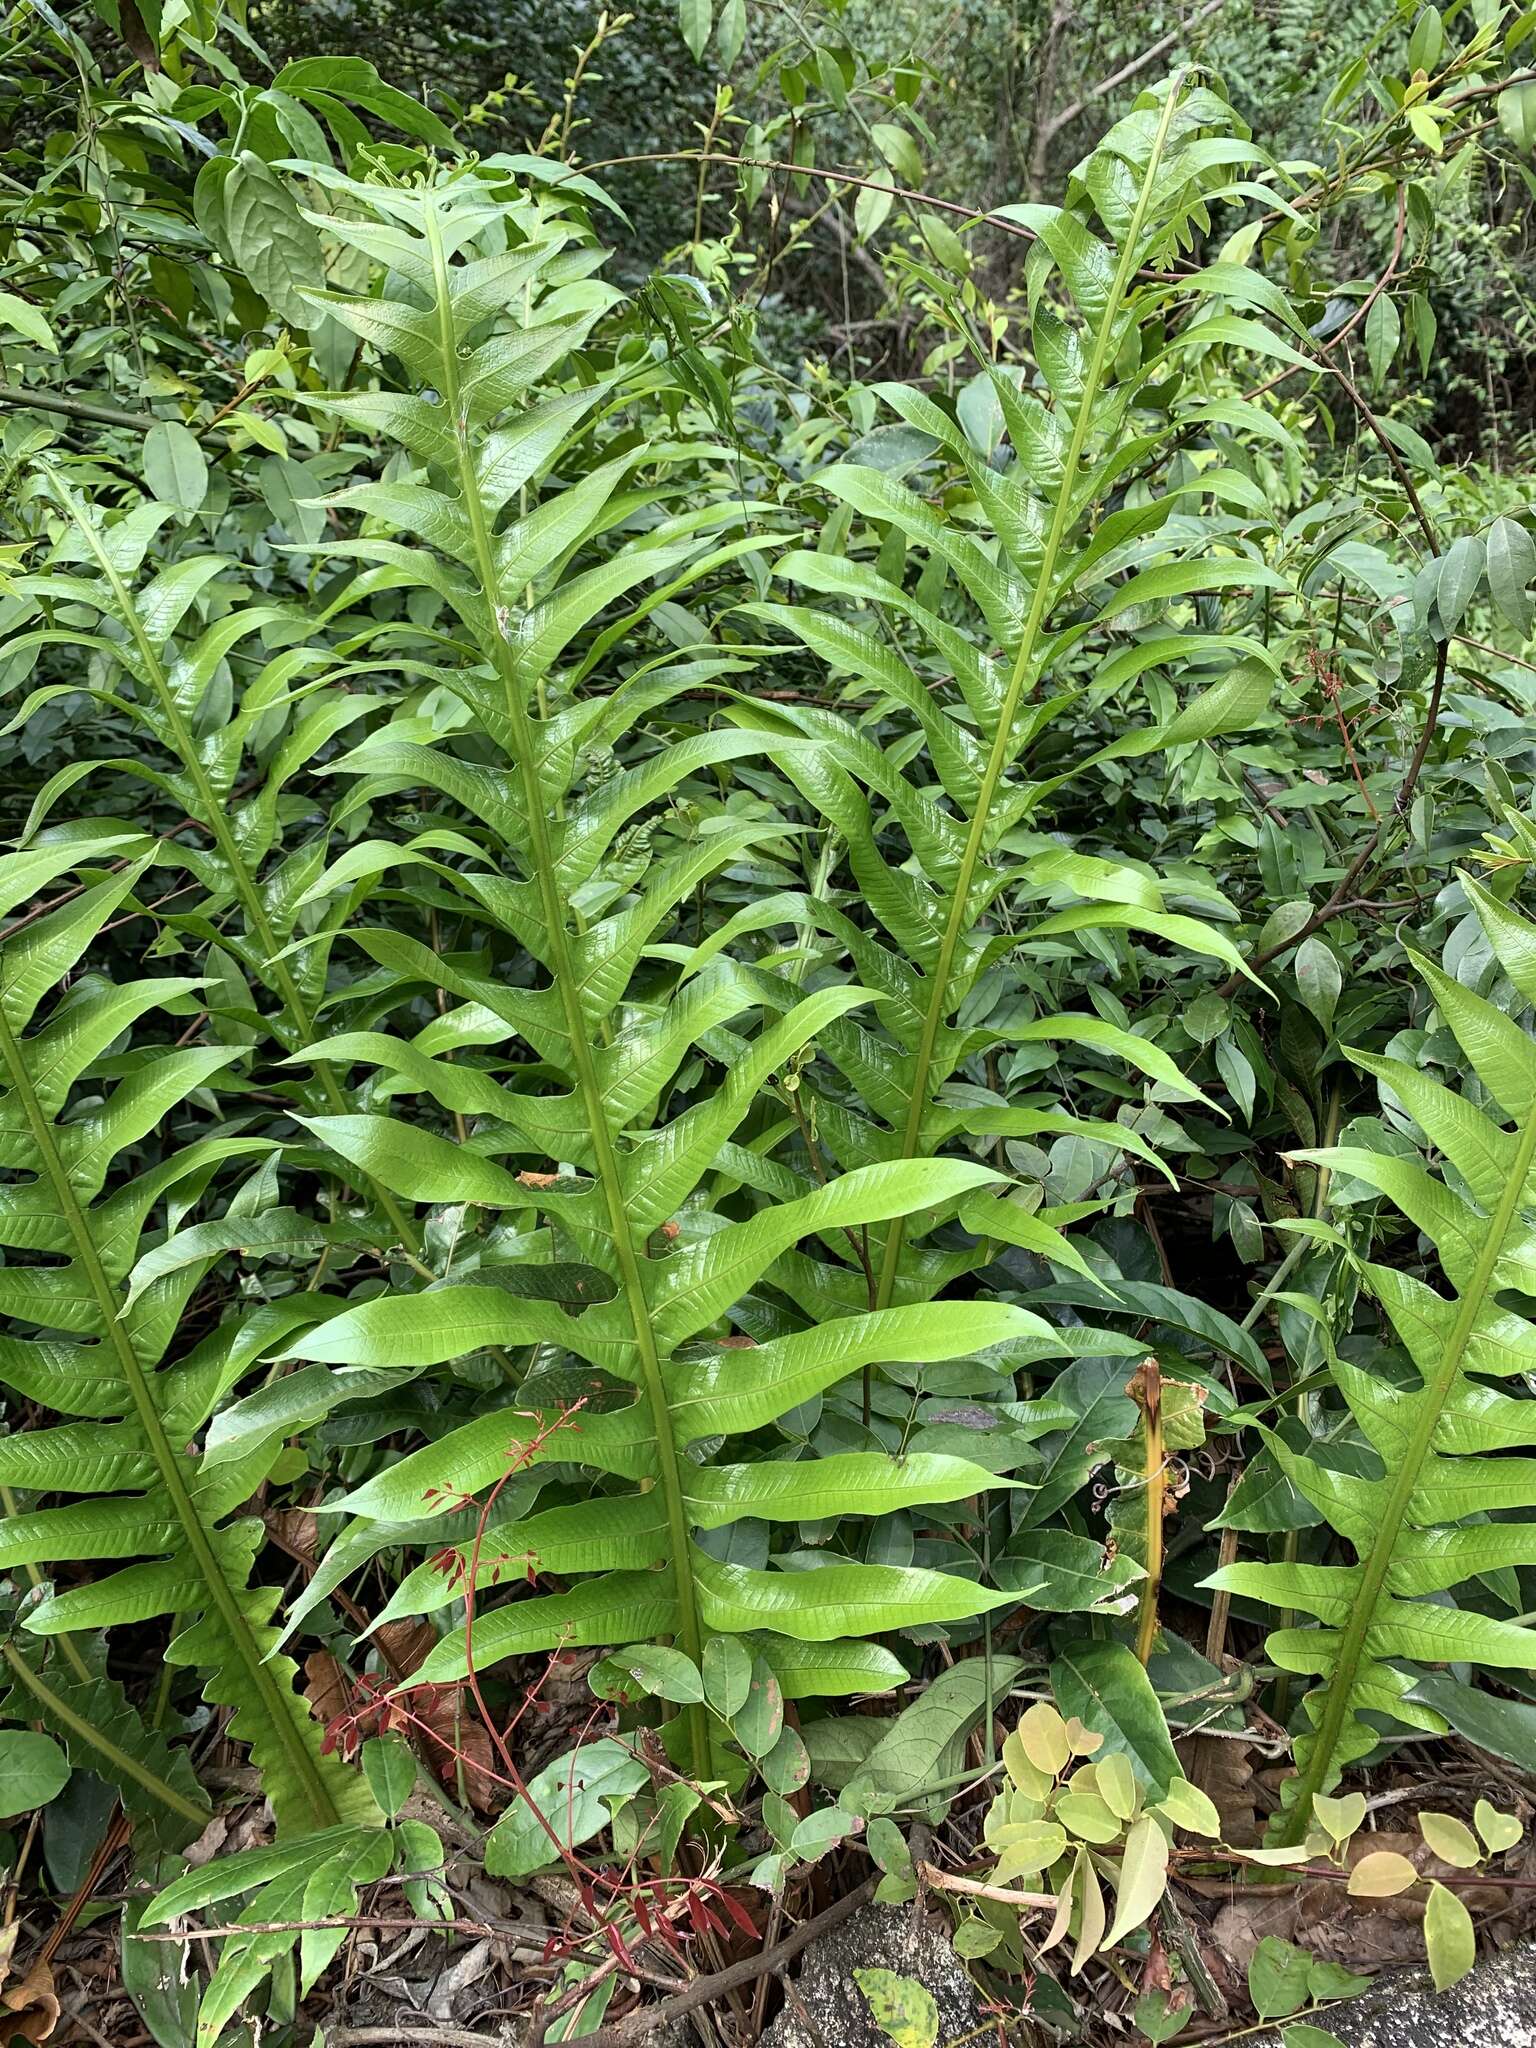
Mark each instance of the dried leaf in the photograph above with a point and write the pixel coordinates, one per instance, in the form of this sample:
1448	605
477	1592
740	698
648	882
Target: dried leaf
31	2007
1223	1771
326	1686
405	1645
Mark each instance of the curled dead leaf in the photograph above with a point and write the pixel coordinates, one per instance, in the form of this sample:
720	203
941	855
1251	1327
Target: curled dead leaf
1223	1770
30	2006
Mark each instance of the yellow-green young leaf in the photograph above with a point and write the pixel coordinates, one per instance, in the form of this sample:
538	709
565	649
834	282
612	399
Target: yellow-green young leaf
1116	1785
1450	1839
902	2008
1191	1809
1449	1939
1381	1875
1090	1911
1061	1919
1028	1777
1082	1741
1087	1816
1340	1817
23	318
1143	1878
872	207
1027	1847
1499	1831
1043	1738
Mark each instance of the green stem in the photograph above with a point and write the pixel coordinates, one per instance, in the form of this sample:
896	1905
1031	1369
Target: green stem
169	1464
1023	674
1290	1547
562	966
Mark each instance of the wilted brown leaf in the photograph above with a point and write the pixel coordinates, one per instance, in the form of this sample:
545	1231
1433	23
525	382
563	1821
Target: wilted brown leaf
145	52
295	1530
1223	1770
325	1686
405	1645
447	1735
29	2006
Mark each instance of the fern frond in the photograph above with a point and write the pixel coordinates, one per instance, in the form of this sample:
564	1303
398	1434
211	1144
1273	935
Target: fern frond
546	595
1421	1529
146	1497
1065	567
102	1732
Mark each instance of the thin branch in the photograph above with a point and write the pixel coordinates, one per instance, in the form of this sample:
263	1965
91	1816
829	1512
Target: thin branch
414	2037
77	408
979	215
646	2019
972	1888
1068	115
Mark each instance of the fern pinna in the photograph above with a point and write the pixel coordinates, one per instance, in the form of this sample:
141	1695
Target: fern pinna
489	291
1421	1528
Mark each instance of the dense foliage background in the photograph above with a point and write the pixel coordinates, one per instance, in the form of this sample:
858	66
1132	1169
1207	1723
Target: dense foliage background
766	1097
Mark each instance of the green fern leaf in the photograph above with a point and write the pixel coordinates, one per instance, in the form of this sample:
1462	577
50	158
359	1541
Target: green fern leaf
1420	1529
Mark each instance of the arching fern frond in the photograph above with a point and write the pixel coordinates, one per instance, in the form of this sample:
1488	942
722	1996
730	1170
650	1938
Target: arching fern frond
1422	1528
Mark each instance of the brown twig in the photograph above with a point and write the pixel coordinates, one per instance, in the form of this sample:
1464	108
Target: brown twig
980	215
1293	1873
973	1888
1052	128
416	2037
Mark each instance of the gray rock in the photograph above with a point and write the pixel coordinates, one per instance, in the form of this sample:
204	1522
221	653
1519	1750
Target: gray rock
1495	2007
895	1938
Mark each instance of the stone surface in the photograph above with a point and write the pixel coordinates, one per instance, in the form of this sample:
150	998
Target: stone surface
875	1938
1495	2007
